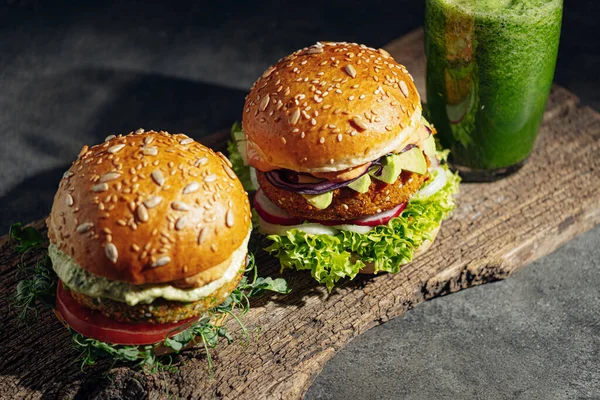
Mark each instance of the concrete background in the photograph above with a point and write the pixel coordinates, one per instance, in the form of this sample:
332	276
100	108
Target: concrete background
74	72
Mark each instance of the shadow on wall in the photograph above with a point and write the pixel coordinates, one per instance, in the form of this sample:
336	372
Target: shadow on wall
63	112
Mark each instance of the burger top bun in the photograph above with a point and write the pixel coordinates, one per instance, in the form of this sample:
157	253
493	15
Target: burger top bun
329	107
149	207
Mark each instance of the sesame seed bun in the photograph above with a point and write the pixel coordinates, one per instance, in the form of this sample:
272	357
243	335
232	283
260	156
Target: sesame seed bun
330	107
149	207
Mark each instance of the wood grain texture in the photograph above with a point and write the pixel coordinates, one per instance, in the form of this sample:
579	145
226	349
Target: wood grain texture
496	229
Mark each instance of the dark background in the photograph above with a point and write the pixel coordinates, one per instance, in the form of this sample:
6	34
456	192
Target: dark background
72	73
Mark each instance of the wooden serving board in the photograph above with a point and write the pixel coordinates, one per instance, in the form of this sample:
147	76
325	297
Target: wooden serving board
496	229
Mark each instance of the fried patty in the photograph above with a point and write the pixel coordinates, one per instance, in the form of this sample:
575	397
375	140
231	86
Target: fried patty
159	311
347	204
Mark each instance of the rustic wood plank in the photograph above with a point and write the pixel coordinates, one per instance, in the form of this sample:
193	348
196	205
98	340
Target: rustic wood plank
496	229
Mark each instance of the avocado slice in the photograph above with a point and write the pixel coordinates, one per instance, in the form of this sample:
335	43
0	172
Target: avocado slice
413	160
361	185
429	147
320	201
391	169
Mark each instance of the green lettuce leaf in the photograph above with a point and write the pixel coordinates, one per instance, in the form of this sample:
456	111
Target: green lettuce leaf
238	166
388	247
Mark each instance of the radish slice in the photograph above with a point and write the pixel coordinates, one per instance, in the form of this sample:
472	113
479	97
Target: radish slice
354	228
311	229
438	182
379	219
271	213
254	179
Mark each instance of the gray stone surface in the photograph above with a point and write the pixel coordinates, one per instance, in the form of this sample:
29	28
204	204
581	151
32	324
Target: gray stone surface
535	335
72	73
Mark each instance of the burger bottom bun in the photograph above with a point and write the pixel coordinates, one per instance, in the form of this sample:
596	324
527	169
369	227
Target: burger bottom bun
370	267
160	311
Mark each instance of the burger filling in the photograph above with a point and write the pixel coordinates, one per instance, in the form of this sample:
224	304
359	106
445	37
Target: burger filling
365	190
336	225
81	281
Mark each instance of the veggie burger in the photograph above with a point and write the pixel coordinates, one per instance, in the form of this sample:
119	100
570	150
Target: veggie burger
348	175
147	232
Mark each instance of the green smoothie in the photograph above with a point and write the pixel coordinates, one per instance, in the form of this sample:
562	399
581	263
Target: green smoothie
490	65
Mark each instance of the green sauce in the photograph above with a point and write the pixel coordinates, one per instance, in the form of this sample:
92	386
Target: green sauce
490	65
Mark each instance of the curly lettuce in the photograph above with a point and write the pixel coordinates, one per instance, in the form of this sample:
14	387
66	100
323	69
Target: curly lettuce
239	167
331	258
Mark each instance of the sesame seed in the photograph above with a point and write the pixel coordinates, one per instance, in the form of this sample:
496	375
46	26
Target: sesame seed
295	116
67	174
148	140
142	213
326	107
210	178
229	218
350	70
115	148
111	252
109	138
161	261
85	227
110	176
283	140
150	151
264	103
139	131
201	161
201	235
313	122
362	96
181	223
69	200
359	122
191	188
101	187
354	86
152	201
229	172
321	140
403	88
314	50
339	137
158	177
83	150
185	141
351	98
121	222
302	135
180	206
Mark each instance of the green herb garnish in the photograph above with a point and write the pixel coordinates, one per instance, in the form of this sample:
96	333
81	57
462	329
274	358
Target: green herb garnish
38	285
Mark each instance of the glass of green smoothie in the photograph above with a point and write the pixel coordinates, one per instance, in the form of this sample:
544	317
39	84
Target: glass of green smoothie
490	65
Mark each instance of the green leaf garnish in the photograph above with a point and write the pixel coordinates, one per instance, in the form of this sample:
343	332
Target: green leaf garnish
38	284
27	238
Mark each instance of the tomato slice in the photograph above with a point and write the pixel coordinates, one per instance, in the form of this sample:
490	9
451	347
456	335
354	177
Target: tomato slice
95	325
